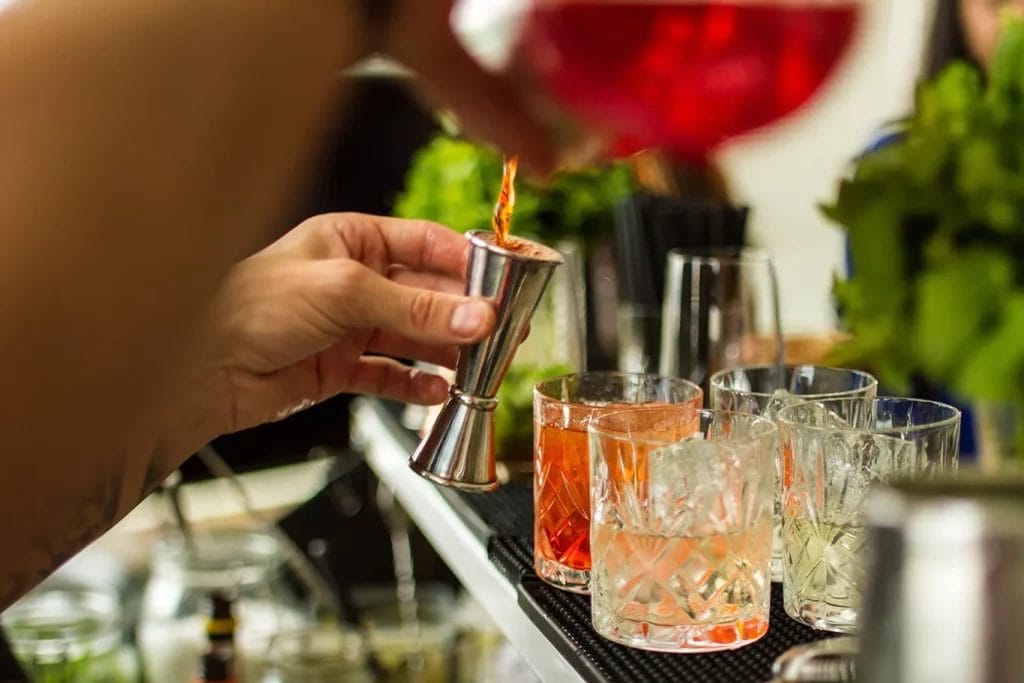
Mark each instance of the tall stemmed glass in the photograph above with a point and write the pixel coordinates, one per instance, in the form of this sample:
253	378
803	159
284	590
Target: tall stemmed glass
685	75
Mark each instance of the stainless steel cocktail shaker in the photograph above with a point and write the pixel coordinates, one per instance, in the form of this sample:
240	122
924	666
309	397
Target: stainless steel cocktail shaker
945	590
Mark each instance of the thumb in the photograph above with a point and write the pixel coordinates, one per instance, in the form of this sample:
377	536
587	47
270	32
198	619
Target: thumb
420	314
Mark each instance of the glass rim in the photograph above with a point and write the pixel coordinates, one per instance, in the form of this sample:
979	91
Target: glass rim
326	645
47	622
539	391
953	419
722	255
215	558
593	428
787	366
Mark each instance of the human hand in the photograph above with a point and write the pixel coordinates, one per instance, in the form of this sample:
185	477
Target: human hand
294	323
489	106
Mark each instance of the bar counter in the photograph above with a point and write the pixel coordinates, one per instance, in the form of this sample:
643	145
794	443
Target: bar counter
486	539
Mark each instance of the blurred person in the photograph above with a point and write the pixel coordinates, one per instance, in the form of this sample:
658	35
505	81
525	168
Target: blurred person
148	147
968	30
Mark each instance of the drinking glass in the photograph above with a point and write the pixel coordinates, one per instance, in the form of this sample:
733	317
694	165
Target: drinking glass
684	75
682	527
319	654
562	408
833	453
721	310
556	346
410	645
764	390
64	635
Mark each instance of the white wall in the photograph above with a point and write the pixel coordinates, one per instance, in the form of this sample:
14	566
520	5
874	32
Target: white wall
786	171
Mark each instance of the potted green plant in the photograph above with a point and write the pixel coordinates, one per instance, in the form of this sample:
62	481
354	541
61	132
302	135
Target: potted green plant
455	182
936	232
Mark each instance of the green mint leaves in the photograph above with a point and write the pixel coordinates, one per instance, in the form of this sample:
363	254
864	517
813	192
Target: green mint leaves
455	182
936	231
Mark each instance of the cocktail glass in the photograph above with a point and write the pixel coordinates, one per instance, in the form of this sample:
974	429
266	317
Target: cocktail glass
685	75
562	409
833	453
765	390
681	530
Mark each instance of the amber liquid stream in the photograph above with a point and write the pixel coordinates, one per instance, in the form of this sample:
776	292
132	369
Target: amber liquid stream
502	221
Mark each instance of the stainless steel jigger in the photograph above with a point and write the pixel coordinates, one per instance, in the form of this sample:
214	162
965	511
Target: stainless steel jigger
459	450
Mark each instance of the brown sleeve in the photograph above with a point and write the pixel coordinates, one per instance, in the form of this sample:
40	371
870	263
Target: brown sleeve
145	145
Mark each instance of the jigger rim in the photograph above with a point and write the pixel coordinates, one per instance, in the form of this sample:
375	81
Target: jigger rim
485	487
542	254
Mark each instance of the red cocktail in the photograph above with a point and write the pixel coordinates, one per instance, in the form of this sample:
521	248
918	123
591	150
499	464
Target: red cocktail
562	410
685	75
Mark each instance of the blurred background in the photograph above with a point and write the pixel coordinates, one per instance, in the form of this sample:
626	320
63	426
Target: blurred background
302	485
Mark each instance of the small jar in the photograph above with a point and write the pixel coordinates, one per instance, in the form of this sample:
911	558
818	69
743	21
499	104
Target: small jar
246	564
399	647
323	654
68	636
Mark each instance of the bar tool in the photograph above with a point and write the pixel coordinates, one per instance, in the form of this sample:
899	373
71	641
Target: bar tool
459	449
945	594
824	661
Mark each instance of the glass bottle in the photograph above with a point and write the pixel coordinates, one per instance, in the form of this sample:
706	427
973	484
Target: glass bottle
218	662
248	565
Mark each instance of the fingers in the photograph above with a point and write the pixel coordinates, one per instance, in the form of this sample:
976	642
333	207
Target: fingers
488	105
360	297
423	245
388	378
488	108
379	242
434	281
390	344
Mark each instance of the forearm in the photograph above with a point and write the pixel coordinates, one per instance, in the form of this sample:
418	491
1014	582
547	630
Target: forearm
145	146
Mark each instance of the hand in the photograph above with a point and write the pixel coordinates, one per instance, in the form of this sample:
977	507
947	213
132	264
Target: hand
293	323
489	106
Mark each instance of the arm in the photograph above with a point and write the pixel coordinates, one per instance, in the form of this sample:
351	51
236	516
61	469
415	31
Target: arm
144	147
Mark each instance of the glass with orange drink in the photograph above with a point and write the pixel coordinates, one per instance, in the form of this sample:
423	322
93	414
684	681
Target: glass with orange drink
562	410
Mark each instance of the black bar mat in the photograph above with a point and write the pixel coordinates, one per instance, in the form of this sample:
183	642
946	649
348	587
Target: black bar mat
513	555
507	511
565	620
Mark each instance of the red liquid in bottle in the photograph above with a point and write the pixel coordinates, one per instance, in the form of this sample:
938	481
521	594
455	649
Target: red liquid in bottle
685	76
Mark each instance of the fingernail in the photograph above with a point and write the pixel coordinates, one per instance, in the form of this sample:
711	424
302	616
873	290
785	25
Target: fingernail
469	318
435	390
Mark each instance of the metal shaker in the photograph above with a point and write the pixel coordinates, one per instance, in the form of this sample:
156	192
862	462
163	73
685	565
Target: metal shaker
459	449
945	591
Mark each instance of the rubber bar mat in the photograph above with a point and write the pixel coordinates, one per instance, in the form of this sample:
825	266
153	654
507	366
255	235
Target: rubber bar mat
507	511
565	620
512	555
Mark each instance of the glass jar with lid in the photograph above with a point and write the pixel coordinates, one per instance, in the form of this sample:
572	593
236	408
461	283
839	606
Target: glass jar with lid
321	654
246	564
70	635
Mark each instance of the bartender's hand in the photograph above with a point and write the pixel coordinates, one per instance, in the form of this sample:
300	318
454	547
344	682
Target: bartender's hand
489	106
294	323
